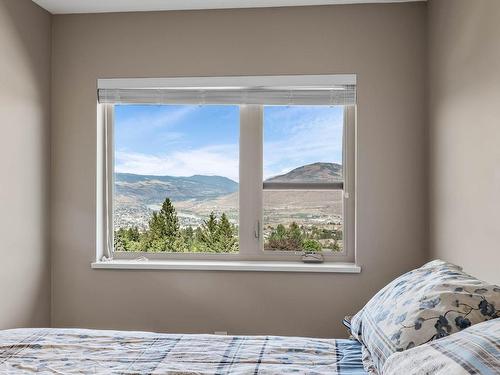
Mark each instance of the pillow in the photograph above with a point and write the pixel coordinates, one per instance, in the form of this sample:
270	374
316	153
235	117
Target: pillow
365	354
422	305
474	350
368	363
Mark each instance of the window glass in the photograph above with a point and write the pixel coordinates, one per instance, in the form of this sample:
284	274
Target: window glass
176	178
303	147
297	220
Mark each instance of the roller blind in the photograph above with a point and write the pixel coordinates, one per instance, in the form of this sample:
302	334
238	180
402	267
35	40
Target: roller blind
300	90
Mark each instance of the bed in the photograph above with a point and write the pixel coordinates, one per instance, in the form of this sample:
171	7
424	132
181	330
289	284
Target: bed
70	351
434	320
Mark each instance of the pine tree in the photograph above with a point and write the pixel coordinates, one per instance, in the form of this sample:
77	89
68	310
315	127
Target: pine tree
211	224
225	236
198	234
119	241
209	233
280	232
157	227
277	238
189	232
224	229
133	234
164	232
295	237
282	238
169	215
180	244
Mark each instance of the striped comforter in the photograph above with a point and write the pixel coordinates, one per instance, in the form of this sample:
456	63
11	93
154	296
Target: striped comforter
70	351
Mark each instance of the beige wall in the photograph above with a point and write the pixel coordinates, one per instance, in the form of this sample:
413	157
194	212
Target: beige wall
465	134
24	150
384	44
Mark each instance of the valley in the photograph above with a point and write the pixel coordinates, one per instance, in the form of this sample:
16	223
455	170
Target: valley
194	198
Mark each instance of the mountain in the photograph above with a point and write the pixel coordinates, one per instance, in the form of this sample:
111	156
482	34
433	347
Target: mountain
316	172
154	189
136	196
147	189
282	204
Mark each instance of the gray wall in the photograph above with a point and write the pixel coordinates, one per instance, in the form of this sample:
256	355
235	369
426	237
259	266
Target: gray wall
24	112
384	44
464	105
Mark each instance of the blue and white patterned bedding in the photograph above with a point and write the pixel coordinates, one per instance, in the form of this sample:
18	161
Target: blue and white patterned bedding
475	350
429	303
71	351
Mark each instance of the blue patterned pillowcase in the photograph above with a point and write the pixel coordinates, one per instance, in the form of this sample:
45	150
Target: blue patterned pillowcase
472	351
422	305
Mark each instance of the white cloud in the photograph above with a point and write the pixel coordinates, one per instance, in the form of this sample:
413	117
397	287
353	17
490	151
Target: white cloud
313	139
305	139
221	160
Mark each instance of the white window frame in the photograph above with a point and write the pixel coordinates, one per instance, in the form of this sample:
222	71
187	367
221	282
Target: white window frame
251	189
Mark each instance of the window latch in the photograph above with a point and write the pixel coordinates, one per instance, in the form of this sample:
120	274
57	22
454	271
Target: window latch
257	229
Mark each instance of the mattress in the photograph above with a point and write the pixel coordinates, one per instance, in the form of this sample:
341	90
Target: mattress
70	351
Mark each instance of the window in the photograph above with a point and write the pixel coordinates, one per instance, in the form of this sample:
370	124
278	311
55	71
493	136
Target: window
176	178
303	178
248	168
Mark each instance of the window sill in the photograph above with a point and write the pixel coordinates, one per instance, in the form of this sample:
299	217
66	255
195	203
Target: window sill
209	265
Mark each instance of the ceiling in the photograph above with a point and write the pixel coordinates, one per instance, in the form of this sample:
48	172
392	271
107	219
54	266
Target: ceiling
101	6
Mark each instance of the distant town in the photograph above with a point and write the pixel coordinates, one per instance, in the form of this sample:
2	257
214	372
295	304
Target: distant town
293	219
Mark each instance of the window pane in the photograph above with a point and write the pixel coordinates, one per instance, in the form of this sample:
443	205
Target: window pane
296	220
176	178
303	144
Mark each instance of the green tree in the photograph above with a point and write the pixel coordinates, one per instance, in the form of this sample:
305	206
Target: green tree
294	235
336	246
280	232
276	238
310	245
198	234
169	215
209	236
157	228
189	233
127	239
119	240
282	238
227	242
133	234
163	230
165	234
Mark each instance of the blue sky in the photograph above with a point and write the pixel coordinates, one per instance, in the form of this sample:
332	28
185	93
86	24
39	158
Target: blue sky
182	140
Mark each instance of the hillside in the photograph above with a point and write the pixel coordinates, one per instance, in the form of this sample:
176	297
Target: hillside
154	189
136	196
316	172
